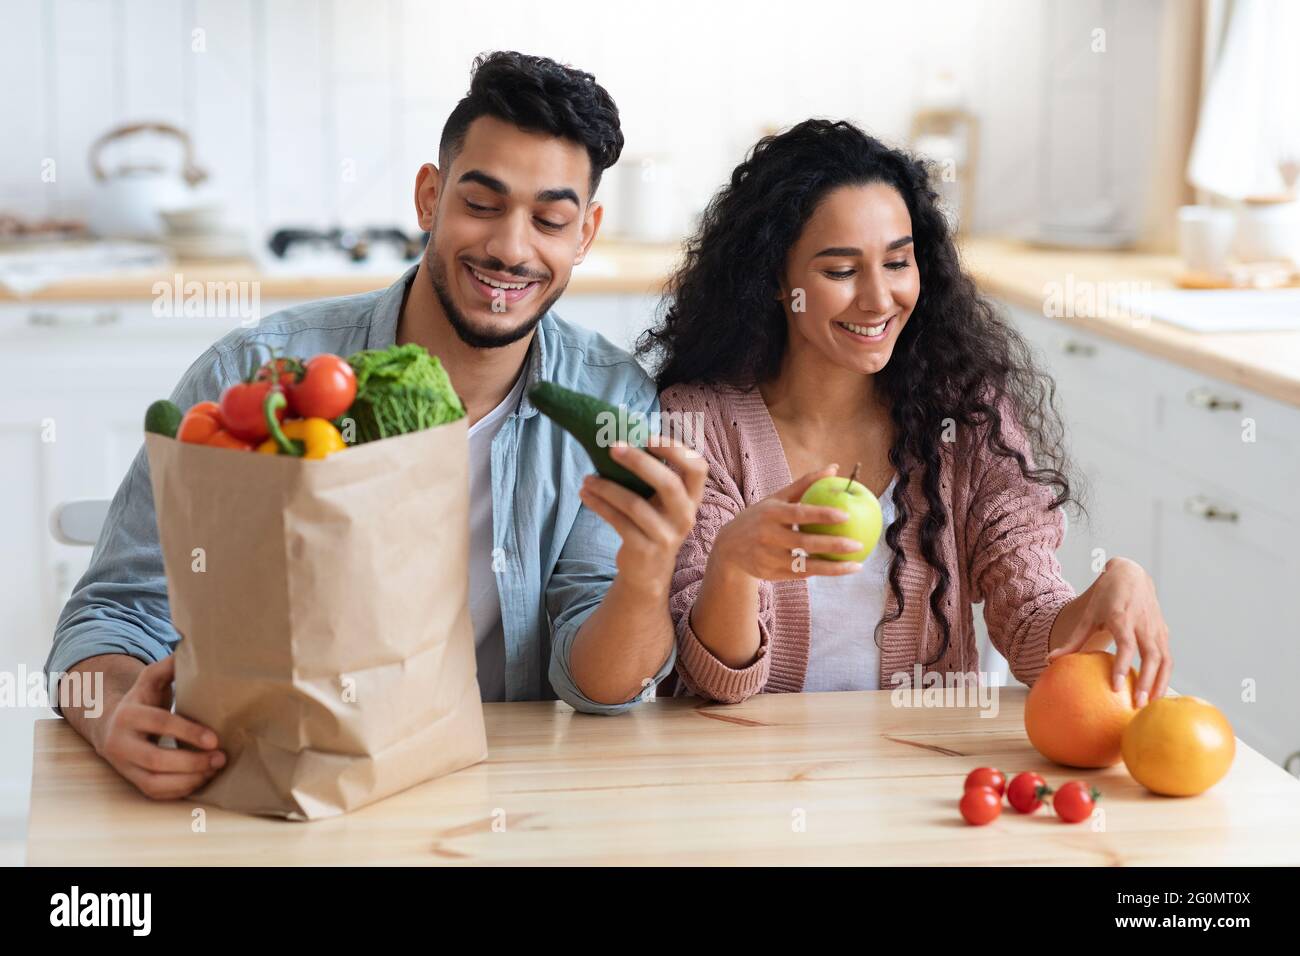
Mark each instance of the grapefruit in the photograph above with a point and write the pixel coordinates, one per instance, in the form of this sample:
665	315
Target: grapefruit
1073	714
1179	746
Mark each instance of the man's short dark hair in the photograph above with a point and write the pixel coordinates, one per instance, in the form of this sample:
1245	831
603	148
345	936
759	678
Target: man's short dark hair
537	95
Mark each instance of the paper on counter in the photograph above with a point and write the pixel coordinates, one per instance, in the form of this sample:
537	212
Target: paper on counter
1219	310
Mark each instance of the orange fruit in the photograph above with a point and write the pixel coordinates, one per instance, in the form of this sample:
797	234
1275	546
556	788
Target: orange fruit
1073	714
1179	746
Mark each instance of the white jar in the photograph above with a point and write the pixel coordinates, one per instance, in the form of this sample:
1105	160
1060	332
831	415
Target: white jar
1268	231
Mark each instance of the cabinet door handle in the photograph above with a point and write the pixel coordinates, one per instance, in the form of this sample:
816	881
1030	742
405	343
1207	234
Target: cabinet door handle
54	320
1202	397
1075	347
1292	764
1202	507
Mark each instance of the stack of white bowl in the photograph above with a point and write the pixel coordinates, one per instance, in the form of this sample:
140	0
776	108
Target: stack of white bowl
201	232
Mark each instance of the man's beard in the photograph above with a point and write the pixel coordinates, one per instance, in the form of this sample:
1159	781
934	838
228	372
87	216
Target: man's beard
478	338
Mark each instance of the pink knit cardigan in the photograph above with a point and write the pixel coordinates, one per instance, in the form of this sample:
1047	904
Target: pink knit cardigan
999	546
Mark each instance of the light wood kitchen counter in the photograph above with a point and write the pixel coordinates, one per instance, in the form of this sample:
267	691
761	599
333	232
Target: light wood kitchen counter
1266	362
842	778
613	267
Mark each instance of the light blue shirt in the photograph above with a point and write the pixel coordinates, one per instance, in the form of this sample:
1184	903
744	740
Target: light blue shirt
557	556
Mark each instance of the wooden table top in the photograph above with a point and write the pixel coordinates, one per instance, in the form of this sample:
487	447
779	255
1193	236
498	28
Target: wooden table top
842	778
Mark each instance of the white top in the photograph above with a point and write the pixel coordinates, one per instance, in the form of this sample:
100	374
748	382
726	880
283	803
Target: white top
844	610
484	601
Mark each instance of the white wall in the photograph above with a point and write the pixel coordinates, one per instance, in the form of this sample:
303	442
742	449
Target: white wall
289	95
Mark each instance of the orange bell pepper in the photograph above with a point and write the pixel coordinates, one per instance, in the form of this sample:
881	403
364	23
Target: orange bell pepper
200	423
223	439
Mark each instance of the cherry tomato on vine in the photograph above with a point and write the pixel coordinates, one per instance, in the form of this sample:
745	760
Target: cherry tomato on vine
284	369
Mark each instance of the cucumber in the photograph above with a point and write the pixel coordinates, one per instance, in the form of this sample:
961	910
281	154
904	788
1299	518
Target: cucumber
162	418
585	418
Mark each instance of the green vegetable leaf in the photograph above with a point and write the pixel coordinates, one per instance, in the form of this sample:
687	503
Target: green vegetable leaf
401	389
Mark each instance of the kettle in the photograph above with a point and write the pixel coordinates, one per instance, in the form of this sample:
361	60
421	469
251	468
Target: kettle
127	202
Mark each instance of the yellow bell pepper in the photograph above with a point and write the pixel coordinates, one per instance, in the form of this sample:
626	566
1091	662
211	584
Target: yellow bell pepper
319	438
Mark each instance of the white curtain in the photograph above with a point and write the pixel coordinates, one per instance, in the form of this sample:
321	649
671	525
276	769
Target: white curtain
1248	134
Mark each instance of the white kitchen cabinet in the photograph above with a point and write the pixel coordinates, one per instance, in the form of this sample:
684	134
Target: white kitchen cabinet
74	382
1230	569
1121	494
1231	436
1196	480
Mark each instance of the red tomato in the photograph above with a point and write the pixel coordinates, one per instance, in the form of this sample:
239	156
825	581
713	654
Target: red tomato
1026	792
987	777
980	805
1074	801
287	370
200	423
326	389
241	410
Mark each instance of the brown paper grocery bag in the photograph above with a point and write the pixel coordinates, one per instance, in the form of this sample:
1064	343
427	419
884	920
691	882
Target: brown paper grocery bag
324	617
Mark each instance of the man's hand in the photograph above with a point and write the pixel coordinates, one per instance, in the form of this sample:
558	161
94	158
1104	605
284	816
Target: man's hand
127	737
627	639
652	529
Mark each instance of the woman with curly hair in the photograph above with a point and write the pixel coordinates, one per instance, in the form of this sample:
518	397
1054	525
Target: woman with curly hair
822	315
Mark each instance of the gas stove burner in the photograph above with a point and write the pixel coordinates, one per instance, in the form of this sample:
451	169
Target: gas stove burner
355	243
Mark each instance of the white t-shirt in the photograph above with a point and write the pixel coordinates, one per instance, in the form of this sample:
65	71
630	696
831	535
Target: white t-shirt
484	601
844	611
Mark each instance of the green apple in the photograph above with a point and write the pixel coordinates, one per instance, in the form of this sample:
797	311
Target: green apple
855	500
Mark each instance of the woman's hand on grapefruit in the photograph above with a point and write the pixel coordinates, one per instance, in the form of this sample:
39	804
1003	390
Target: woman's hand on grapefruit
1122	601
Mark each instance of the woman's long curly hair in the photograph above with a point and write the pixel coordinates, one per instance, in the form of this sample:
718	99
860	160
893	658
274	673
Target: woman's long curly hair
955	361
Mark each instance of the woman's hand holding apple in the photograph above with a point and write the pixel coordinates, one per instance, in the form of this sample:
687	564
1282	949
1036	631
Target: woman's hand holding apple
761	541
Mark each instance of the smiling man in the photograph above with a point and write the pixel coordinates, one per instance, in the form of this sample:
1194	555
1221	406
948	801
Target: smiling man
569	573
